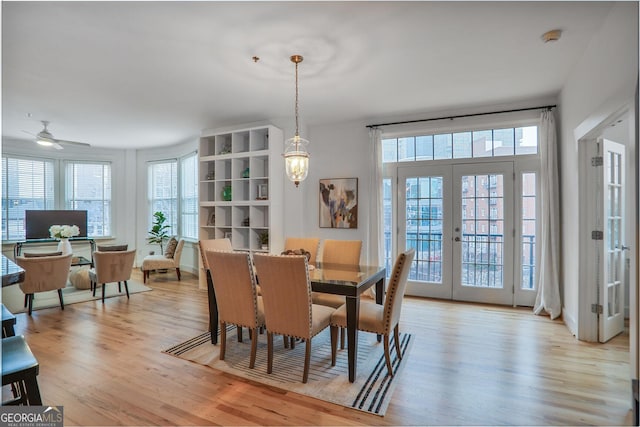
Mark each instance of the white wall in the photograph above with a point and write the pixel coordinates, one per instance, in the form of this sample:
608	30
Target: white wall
608	68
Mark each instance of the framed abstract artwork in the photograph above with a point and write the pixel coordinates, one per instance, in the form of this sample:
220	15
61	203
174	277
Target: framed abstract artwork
339	203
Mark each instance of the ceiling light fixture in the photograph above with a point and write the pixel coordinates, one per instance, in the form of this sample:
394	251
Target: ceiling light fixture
296	156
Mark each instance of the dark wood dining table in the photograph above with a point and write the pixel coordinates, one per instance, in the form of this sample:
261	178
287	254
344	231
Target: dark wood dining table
338	279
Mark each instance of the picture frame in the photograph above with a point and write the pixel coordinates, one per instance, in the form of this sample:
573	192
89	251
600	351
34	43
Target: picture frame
338	201
227	235
212	218
263	192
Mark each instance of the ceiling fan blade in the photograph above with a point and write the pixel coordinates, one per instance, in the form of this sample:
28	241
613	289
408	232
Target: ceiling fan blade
63	141
57	146
30	133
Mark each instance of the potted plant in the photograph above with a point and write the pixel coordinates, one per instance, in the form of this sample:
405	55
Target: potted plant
263	239
158	233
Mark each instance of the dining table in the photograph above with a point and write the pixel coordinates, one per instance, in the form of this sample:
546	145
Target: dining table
351	281
12	273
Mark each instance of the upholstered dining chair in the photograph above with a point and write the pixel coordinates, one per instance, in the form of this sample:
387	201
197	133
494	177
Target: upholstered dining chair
344	252
376	318
48	273
309	244
161	262
111	267
213	245
236	296
288	310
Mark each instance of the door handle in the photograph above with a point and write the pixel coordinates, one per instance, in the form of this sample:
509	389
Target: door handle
457	239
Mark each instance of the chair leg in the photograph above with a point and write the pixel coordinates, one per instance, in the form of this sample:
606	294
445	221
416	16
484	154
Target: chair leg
30	304
387	356
269	352
239	333
61	300
26	300
292	342
285	340
145	274
104	285
334	344
254	347
119	287
396	338
223	339
126	288
307	360
178	273
33	392
343	332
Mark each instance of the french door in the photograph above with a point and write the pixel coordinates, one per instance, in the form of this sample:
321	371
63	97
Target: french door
612	208
460	220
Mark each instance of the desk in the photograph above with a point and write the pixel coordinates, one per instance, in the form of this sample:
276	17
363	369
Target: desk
11	272
17	249
350	281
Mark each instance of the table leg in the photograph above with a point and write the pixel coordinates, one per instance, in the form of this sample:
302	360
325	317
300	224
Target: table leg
353	306
379	298
213	310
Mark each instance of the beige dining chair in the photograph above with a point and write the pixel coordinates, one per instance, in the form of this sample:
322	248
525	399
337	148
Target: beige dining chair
213	245
48	273
237	299
376	318
309	244
112	267
288	310
343	252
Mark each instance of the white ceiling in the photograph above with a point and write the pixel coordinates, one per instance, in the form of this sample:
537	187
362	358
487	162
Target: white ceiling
147	74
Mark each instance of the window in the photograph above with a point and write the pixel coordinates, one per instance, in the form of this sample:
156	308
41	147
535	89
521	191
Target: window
88	187
163	192
484	143
26	184
189	196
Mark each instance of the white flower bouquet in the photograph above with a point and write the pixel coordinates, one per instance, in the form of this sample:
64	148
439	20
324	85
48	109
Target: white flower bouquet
63	231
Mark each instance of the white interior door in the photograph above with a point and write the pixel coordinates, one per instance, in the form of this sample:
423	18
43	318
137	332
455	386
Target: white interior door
612	203
459	218
483	234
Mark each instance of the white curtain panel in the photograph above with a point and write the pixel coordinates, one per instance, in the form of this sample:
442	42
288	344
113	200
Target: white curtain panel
548	297
376	243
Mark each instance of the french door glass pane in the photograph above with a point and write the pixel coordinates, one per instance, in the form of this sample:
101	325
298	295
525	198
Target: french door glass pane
482	231
614	233
388	223
424	227
528	233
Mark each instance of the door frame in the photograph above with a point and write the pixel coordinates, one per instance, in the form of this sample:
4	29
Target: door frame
586	135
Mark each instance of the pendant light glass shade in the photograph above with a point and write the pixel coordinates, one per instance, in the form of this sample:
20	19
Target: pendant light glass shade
296	156
296	159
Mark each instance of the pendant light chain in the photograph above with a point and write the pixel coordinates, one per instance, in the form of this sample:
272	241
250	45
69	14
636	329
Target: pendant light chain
297	134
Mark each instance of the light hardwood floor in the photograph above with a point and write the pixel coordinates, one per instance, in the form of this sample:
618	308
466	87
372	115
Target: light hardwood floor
470	364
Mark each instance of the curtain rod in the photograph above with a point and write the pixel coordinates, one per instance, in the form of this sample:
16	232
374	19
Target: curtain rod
543	107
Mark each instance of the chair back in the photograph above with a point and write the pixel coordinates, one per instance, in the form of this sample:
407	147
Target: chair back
309	244
235	287
44	273
113	266
341	252
213	245
178	253
286	293
396	288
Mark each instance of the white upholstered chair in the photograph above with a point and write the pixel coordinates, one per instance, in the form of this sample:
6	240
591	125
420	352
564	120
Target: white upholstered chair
161	262
111	267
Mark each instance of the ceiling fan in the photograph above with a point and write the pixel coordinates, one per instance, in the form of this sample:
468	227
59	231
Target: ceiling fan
45	138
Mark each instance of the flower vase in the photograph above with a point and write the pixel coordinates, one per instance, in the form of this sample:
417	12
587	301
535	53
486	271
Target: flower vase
64	246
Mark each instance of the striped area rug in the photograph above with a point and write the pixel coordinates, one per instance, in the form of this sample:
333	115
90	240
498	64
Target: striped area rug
371	392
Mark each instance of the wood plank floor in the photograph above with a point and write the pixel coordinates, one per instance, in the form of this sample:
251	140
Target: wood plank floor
470	364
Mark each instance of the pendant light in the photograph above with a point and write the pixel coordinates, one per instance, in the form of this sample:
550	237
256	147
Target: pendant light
296	156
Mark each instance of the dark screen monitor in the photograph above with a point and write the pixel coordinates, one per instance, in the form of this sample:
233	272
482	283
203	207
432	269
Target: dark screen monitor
37	223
